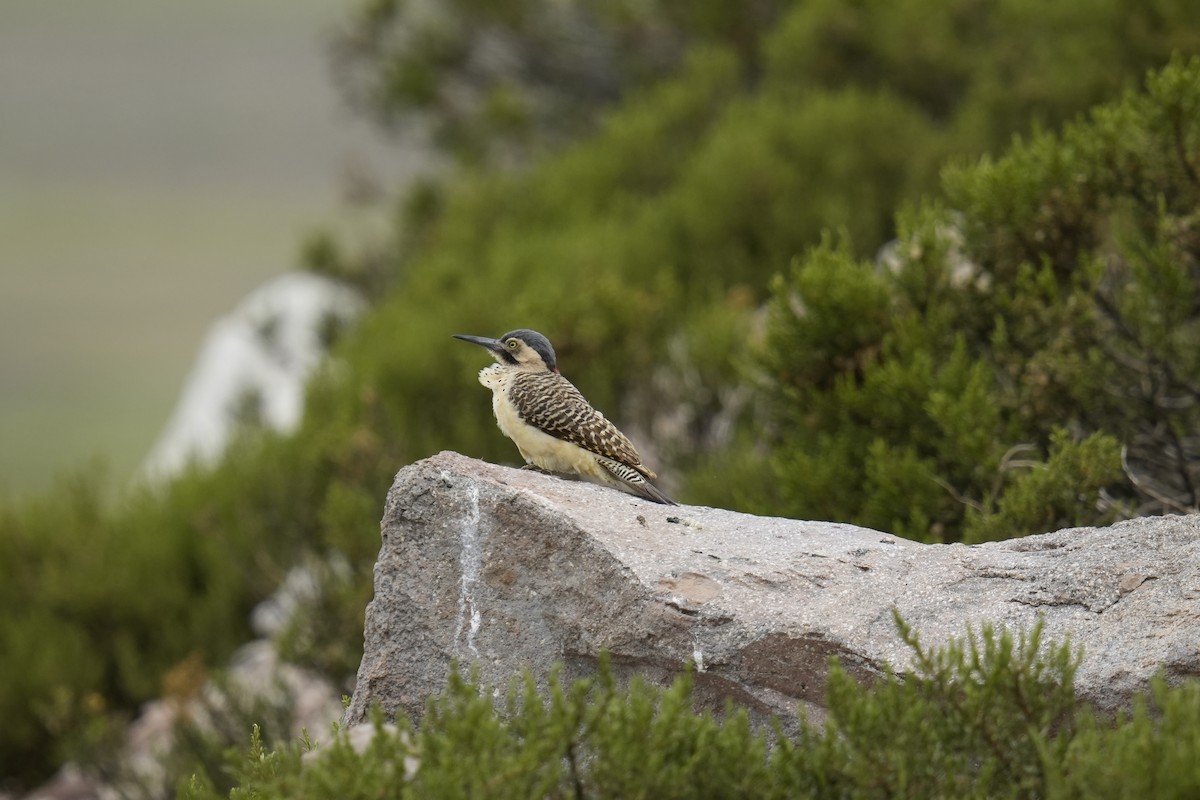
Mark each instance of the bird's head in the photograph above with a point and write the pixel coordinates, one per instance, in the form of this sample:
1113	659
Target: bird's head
519	348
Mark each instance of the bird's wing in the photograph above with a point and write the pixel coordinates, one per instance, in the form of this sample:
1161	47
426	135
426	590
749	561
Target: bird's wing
568	416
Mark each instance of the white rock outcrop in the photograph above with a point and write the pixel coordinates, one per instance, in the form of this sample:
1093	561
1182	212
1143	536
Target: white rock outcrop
263	353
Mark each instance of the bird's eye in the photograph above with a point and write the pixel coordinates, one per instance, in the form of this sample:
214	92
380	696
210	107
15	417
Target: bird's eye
512	344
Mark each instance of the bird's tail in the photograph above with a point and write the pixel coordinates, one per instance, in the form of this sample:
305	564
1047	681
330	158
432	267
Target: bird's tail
651	492
634	481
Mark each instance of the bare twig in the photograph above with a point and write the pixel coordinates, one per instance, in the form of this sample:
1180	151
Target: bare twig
1007	462
966	501
1181	464
1146	489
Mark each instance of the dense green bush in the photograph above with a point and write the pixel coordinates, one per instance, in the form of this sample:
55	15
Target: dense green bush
100	602
947	79
989	378
988	717
983	69
497	82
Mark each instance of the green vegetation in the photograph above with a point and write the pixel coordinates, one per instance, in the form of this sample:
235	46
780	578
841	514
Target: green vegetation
984	718
101	604
1023	357
1052	316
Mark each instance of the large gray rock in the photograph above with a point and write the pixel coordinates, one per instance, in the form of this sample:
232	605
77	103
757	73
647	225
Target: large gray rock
512	569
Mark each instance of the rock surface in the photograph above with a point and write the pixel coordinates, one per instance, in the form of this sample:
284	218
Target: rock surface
512	569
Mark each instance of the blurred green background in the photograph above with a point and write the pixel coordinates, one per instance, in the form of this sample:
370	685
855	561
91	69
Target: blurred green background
157	161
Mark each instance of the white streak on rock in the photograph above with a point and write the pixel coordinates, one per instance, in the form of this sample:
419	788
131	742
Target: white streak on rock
470	563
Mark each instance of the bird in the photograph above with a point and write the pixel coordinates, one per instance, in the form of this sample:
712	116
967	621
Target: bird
551	423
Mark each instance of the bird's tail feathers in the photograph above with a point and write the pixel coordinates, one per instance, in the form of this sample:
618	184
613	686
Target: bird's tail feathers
635	481
652	492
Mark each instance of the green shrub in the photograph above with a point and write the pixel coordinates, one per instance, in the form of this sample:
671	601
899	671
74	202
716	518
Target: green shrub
1151	752
100	601
775	172
992	716
983	70
991	376
545	72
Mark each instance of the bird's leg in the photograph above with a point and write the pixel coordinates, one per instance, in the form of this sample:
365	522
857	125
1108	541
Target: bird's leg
536	468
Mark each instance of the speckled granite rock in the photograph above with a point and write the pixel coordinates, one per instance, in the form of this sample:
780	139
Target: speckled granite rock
512	569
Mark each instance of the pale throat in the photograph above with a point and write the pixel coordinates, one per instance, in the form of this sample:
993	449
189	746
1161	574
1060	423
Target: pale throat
492	377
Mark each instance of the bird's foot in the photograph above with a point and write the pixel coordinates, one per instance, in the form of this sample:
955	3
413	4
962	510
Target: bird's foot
536	468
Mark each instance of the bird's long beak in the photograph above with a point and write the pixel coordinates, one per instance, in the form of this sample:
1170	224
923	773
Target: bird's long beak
491	344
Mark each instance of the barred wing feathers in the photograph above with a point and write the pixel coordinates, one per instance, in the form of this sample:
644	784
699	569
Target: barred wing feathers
568	416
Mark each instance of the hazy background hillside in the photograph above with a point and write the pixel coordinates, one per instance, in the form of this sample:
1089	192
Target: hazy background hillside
157	161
